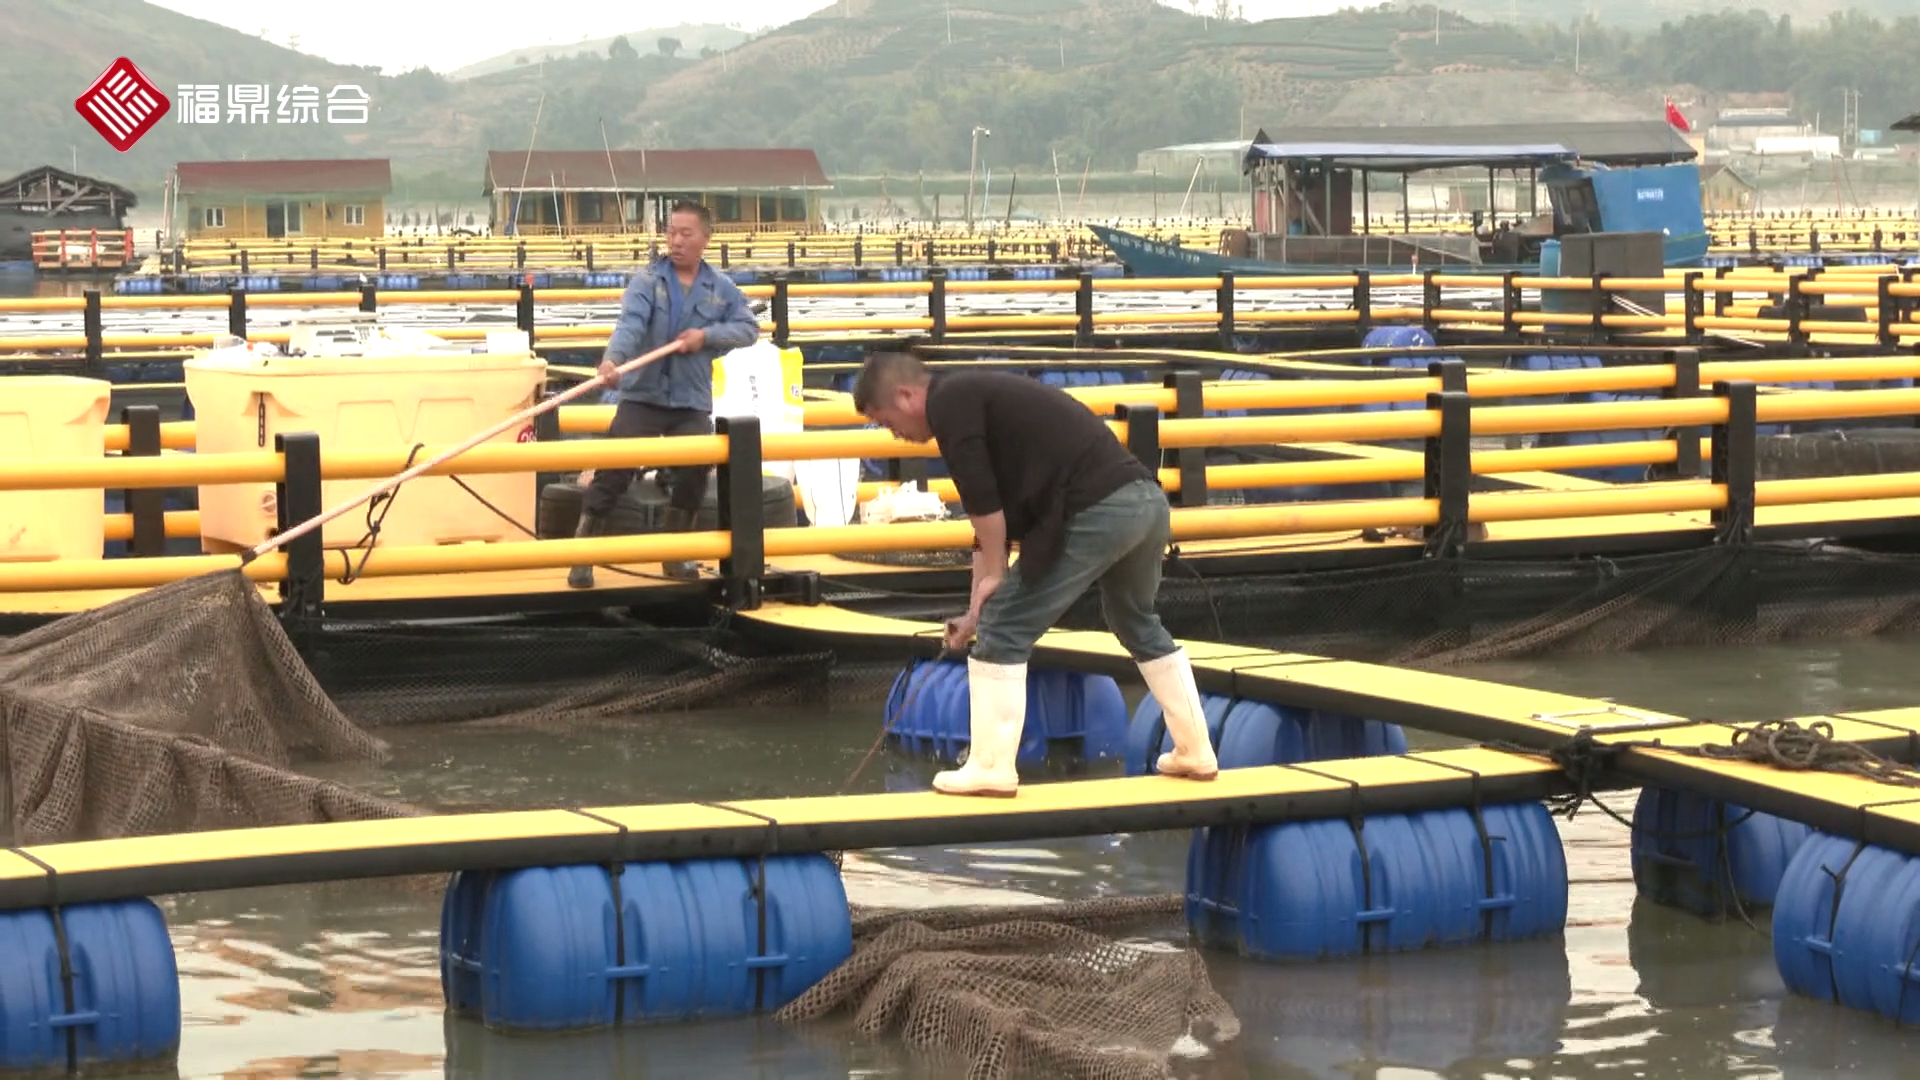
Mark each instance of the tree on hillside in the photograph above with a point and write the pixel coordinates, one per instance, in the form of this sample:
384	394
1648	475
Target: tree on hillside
668	46
620	50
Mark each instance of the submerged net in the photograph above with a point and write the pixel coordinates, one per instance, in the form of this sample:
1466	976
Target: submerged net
179	708
189	706
1026	992
528	675
1438	613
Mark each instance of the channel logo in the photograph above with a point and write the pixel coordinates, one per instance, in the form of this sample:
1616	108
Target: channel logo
122	104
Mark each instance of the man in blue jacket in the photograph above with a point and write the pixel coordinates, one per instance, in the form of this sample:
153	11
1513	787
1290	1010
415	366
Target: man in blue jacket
681	299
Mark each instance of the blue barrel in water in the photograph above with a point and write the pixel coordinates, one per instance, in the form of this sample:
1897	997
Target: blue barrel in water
558	948
1844	926
125	1008
1304	890
1708	857
929	712
1249	734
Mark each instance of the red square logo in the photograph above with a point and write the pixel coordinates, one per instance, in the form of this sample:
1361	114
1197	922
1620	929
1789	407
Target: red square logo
122	104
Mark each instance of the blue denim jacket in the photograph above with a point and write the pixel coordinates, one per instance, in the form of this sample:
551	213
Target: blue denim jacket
680	380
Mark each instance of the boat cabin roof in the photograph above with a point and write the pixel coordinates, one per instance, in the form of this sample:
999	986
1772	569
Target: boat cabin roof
1409	157
1614	143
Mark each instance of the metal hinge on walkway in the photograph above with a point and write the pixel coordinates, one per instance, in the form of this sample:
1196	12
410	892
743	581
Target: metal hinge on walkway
1627	719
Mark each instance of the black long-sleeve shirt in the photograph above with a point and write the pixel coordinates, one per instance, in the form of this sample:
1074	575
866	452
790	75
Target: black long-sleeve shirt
1016	445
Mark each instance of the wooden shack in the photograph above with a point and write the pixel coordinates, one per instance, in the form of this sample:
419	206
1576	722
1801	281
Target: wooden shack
47	199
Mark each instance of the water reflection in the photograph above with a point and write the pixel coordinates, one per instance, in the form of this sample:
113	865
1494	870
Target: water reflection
342	980
751	1049
1467	1009
19	285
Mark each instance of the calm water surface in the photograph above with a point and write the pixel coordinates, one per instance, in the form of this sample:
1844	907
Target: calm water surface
342	980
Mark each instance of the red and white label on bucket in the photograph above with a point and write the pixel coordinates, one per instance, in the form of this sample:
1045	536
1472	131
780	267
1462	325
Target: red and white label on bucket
526	434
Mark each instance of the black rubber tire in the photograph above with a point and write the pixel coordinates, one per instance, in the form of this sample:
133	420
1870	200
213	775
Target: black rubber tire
642	508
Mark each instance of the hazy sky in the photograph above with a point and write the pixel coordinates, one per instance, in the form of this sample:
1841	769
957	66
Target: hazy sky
441	36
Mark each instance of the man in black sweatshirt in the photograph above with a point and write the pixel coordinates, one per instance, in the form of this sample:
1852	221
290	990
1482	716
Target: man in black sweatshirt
1034	466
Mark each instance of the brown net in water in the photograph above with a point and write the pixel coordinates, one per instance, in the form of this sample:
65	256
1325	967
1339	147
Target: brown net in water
1437	613
188	706
177	709
1026	992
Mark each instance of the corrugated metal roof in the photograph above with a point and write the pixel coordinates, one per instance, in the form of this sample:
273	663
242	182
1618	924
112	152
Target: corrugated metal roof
291	177
32	182
659	170
1412	157
1233	145
1626	142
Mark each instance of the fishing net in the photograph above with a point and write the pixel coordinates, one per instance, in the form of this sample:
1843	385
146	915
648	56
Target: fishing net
176	709
526	674
1036	991
1436	613
190	707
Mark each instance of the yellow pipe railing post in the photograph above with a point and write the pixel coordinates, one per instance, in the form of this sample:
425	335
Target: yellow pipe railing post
146	506
742	512
297	498
1735	446
1449	461
1686	438
1189	403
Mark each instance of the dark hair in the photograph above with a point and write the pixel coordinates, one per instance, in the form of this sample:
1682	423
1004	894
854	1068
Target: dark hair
884	372
688	206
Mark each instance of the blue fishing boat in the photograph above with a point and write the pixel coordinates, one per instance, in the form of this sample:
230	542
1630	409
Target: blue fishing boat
1304	189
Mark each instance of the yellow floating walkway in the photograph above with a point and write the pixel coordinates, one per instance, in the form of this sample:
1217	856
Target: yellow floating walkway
1622	735
111	869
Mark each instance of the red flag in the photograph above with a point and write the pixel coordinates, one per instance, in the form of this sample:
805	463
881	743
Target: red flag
1675	118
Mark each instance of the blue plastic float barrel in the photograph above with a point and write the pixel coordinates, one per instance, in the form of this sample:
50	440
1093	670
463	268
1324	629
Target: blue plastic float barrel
1075	378
1396	337
571	947
1069	714
124	1008
1305	890
1249	734
1845	927
1708	857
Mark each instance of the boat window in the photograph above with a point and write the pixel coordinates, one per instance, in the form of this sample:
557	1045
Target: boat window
1575	207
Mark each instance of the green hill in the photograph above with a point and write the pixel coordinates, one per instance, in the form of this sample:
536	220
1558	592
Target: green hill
896	86
691	38
1649	14
56	48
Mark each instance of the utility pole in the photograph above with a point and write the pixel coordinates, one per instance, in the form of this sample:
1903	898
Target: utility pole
973	162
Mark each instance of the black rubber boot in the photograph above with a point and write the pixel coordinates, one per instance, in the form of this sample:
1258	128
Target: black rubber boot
581	577
677	520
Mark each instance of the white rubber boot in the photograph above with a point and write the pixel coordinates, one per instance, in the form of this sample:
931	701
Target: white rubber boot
1170	678
997	714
